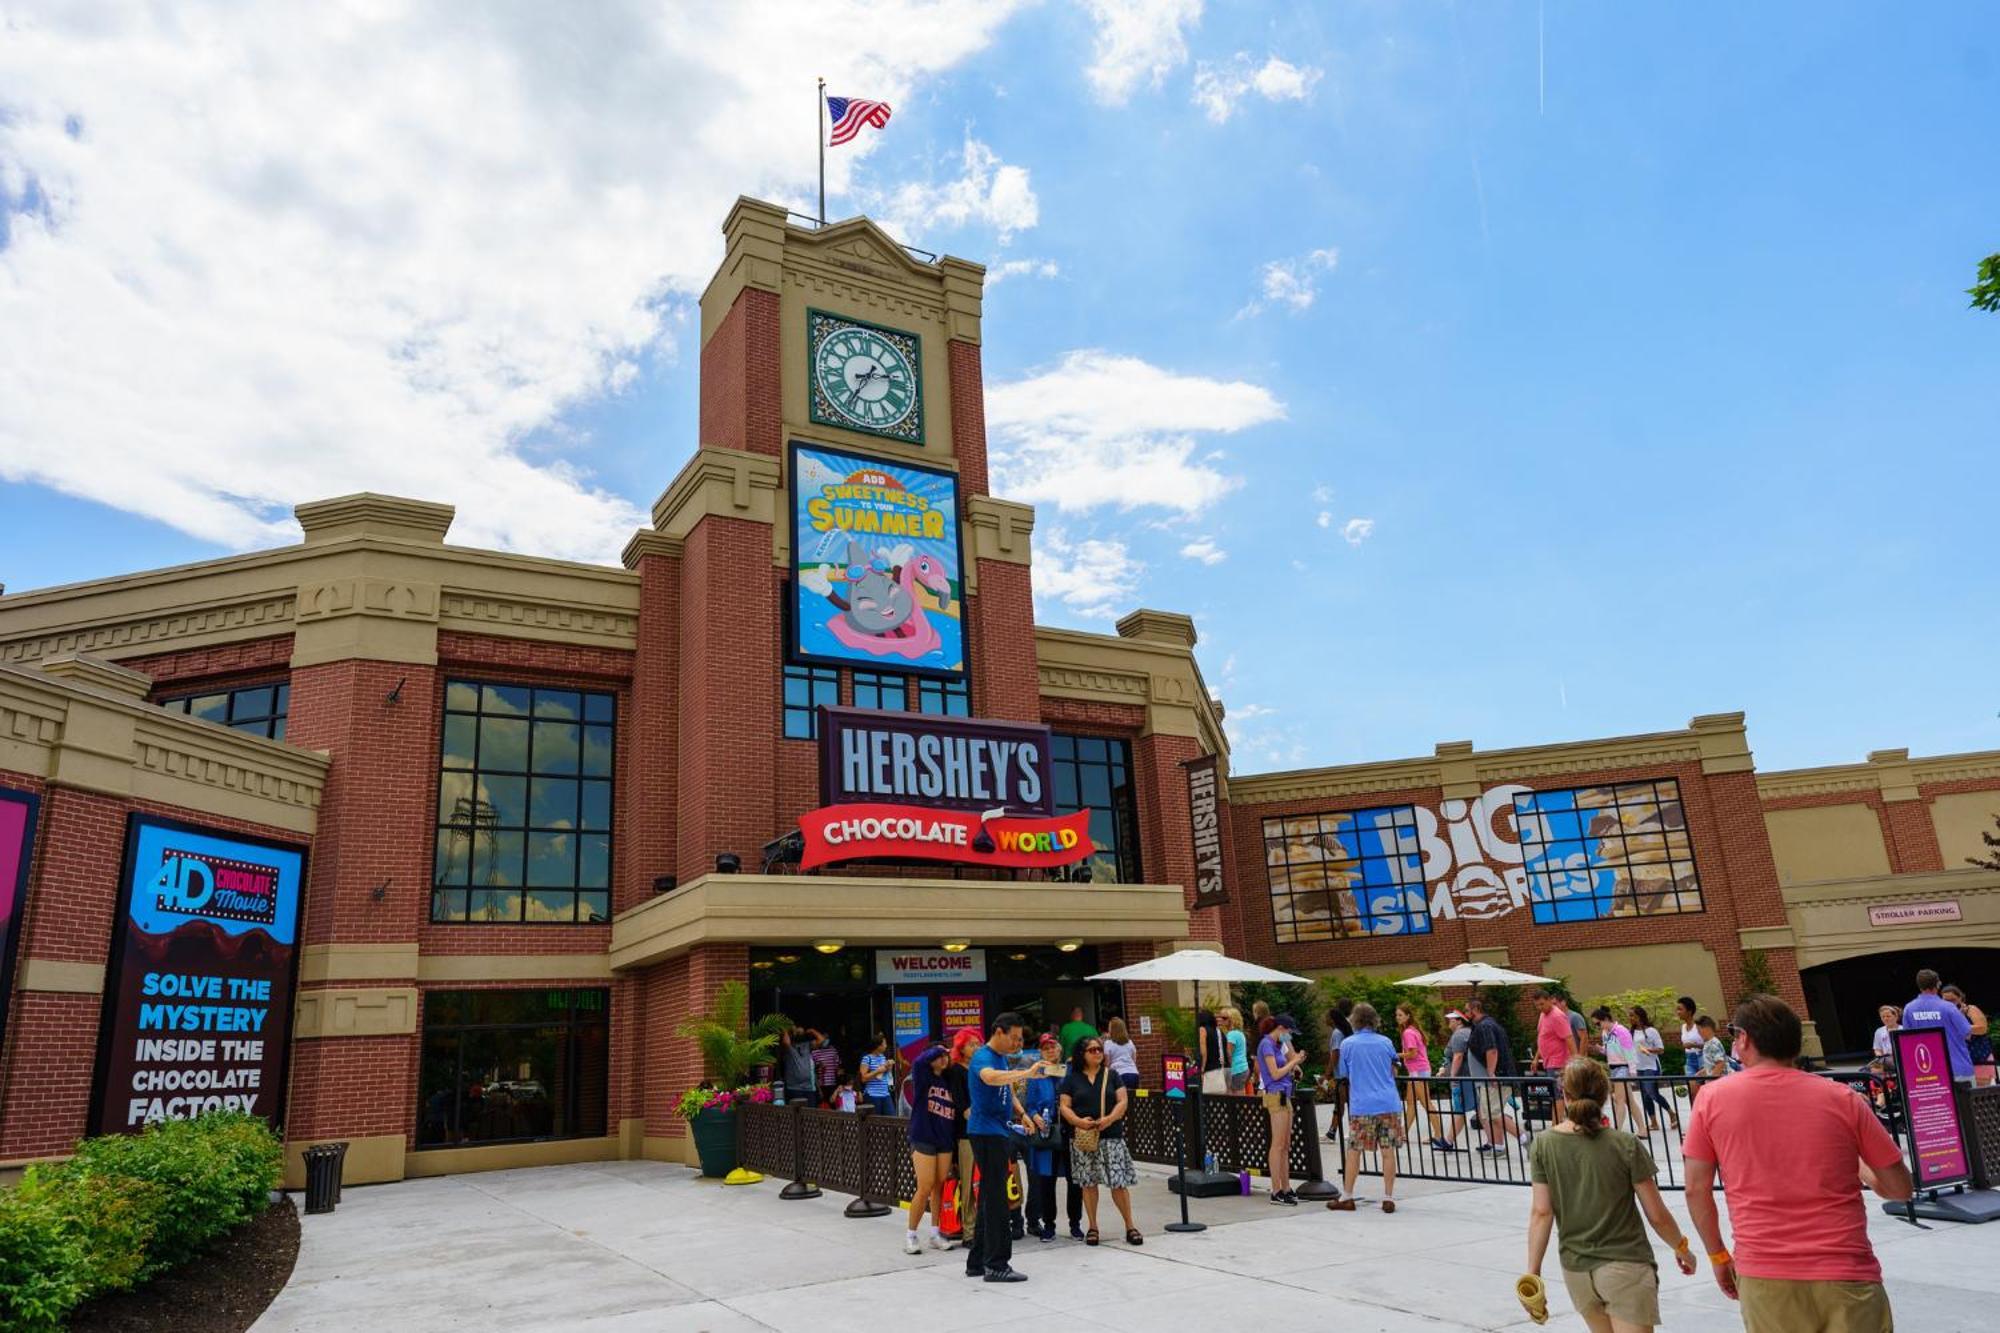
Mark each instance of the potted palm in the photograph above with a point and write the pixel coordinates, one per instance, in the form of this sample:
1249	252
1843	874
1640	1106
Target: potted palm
731	1047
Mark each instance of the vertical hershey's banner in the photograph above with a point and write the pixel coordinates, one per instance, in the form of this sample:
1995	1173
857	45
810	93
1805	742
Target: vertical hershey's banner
17	845
1205	815
198	1010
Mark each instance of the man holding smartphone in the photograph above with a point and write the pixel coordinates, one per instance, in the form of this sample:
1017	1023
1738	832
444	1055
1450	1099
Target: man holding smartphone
992	1082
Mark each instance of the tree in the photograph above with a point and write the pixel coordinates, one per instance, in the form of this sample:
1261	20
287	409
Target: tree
1757	978
732	1046
1985	293
1990	861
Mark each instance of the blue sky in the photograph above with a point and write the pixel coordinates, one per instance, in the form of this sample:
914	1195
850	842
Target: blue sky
1504	371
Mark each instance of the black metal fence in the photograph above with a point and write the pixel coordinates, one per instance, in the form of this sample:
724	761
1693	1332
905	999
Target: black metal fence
1479	1129
868	1155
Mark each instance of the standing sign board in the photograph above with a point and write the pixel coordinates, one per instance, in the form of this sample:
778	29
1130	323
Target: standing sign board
877	571
17	843
1930	1108
198	1009
1205	815
1174	1075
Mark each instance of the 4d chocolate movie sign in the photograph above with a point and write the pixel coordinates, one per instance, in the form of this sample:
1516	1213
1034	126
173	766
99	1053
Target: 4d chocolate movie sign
198	1014
913	787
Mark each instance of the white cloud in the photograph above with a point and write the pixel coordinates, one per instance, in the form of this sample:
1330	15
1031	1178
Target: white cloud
1099	429
1137	41
1218	89
1020	268
291	252
987	192
1358	530
1205	550
1324	519
1322	494
1291	283
1094	577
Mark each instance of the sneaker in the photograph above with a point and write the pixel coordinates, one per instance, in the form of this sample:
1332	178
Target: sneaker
1439	1145
1341	1206
1076	1231
1289	1198
1487	1148
1045	1234
1005	1275
1388	1205
1525	1138
970	1271
910	1245
1276	1197
938	1242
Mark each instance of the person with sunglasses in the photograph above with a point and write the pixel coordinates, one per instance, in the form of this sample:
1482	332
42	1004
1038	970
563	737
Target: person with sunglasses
1093	1104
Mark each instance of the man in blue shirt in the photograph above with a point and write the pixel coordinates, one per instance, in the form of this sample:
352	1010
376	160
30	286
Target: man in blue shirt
992	1079
1374	1106
1932	1010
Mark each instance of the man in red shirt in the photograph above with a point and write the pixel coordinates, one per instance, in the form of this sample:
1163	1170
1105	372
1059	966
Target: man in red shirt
1794	1151
1555	1044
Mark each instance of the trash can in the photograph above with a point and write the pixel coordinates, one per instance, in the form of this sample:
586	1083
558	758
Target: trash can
323	1163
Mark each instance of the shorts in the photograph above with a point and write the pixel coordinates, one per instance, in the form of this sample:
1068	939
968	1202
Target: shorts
1461	1097
1274	1101
929	1150
1627	1291
1368	1133
1237	1081
1782	1305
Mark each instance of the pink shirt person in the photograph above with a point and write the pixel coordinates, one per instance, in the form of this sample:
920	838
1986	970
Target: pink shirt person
1552	1039
1416	1055
1786	1142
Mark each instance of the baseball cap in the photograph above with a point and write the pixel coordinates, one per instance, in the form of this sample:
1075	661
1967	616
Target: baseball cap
1048	1039
1456	1014
931	1053
1285	1021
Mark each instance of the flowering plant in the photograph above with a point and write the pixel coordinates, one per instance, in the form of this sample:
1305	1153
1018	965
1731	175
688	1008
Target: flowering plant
696	1100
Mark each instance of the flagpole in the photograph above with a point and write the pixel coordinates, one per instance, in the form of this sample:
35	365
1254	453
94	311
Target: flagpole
822	152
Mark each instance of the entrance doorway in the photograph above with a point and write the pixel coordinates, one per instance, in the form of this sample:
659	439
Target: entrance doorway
1843	996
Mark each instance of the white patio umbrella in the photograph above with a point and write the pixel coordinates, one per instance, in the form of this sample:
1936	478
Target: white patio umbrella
1473	974
1194	965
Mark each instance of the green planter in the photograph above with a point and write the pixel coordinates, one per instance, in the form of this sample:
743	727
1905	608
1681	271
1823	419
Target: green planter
715	1141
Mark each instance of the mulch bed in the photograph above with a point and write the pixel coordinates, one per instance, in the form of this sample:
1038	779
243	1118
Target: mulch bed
222	1290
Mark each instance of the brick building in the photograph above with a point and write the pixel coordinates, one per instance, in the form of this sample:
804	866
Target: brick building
539	810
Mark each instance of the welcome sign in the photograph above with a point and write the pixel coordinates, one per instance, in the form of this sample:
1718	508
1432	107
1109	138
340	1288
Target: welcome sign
198	1015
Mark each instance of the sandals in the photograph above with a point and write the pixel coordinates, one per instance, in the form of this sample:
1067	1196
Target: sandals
1132	1236
1090	1236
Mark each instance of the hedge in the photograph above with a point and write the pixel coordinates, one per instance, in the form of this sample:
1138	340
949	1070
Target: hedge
126	1208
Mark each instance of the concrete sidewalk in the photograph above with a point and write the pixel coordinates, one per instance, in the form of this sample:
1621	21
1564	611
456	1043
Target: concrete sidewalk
642	1245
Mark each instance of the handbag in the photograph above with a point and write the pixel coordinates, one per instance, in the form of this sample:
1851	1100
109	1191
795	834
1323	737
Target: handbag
1085	1137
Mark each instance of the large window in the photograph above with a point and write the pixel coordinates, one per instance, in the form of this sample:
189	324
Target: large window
806	688
878	689
1094	774
500	1066
1345	874
944	698
524	805
257	709
1596	852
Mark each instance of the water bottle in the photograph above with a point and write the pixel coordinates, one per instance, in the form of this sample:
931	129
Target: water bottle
1208	1164
778	1093
1243	1183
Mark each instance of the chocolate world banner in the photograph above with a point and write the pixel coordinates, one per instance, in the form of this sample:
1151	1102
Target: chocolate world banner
17	843
198	1015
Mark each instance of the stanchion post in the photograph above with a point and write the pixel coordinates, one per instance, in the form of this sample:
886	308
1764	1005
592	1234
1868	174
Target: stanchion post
1317	1186
800	1187
1180	1157
863	1205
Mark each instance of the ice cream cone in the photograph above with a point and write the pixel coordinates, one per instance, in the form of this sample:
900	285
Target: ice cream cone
1534	1297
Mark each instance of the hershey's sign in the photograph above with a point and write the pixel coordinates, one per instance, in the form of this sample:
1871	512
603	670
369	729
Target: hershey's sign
1205	815
952	763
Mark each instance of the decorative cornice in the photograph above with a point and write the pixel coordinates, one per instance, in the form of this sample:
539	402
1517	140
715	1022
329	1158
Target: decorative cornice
370	515
459	967
194	627
1893	773
998	529
1892	887
369	1011
1167	627
647	541
1163	676
728	483
524	617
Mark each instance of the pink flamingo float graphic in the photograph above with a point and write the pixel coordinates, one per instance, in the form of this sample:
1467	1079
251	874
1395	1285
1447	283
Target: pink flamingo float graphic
880	613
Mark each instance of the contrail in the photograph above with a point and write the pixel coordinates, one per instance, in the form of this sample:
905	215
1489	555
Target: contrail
1541	58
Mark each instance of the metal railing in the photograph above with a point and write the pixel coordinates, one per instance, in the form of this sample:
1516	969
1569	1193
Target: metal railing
1486	1124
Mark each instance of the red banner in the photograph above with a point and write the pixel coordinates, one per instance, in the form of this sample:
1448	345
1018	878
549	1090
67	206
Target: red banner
918	833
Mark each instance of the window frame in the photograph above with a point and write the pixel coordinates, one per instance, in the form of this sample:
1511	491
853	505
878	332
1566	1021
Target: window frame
528	774
570	1023
1403	821
879	683
1124	813
1543	900
945	691
812	676
274	721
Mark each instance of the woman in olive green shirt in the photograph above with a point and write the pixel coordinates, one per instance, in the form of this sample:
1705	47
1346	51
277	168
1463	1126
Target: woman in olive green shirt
1591	1183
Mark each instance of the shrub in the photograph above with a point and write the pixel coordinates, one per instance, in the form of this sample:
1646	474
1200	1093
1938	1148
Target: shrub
1385	994
1757	978
126	1208
1287	997
1657	1001
731	1045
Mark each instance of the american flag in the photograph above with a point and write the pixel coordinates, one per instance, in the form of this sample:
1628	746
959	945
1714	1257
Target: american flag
851	113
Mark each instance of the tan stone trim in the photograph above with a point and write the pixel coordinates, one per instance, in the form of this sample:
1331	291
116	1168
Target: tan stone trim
1161	676
374	1011
96	671
631	1138
798	909
1892	888
1458	771
964	295
65	978
530	618
506	1156
1766	937
1649	750
729	483
1150	626
660	1148
647	542
357	962
371	1160
998	529
1886	771
139	627
367	514
1724	744
78	734
513	967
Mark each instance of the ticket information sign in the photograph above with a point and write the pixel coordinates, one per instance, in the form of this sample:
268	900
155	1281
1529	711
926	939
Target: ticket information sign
964	1011
17	842
198	1010
1930	1108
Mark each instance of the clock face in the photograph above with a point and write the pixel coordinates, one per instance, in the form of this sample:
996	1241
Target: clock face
865	378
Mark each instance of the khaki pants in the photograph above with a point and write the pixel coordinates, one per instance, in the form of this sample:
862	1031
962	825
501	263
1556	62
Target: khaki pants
1779	1305
968	1216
